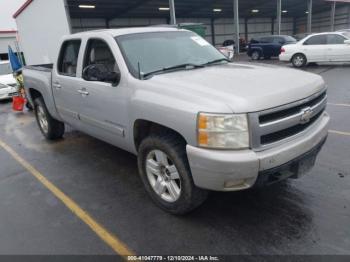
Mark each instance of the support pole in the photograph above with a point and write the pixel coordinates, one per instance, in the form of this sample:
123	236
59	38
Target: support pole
246	33
309	16
295	26
236	23
212	31
279	16
333	16
172	12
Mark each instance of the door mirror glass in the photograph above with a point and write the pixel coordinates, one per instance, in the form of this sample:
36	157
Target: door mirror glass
99	72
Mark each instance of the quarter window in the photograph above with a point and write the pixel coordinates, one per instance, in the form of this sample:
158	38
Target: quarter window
68	59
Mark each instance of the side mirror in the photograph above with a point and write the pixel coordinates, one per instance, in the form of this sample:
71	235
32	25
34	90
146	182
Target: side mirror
347	42
113	77
99	72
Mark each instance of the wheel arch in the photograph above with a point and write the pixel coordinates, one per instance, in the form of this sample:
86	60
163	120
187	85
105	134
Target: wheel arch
143	128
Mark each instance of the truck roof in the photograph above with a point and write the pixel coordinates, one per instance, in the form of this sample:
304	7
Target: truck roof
131	30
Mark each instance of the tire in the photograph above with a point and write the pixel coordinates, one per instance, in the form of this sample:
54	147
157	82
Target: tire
299	60
256	55
52	129
154	173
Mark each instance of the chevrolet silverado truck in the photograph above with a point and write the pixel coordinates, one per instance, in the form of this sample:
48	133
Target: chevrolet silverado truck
196	121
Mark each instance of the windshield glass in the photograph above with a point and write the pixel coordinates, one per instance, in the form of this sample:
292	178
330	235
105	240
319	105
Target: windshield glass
156	51
346	34
5	69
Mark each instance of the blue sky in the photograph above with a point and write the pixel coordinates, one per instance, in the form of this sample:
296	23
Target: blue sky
7	9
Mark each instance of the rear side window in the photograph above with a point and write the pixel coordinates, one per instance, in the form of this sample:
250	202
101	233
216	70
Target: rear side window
266	40
335	40
316	40
68	58
278	40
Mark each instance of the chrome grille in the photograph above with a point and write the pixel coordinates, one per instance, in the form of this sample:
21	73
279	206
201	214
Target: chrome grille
280	124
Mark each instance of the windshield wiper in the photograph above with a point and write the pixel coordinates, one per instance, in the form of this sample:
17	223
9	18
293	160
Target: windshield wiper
216	61
172	68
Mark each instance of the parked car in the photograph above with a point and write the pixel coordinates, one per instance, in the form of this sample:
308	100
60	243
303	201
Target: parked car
268	46
232	45
196	121
324	47
8	84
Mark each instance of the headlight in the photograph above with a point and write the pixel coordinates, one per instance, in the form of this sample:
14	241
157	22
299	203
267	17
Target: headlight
223	131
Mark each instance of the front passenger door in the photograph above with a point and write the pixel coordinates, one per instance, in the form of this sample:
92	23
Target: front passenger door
103	106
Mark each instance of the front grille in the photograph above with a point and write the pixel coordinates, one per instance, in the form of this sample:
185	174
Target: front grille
290	111
278	124
277	136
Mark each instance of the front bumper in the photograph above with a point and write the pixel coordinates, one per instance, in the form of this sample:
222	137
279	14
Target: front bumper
221	170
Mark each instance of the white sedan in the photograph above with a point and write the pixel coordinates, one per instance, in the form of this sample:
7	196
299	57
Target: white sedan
324	47
8	84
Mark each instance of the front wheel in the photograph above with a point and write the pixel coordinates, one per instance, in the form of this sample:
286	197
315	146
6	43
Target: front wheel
299	60
166	175
51	128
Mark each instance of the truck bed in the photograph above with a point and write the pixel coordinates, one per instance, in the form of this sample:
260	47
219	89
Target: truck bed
39	78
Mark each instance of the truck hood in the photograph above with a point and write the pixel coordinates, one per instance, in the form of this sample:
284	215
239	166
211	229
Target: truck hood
7	79
243	87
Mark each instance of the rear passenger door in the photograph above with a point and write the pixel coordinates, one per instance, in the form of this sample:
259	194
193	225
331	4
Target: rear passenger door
65	81
315	48
278	42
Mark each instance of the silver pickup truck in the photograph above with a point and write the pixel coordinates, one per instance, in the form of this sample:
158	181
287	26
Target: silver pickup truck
196	121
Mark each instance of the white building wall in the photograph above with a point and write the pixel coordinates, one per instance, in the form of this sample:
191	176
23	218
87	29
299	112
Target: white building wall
41	26
6	40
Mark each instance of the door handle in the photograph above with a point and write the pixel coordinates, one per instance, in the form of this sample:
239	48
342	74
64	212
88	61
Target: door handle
83	92
57	85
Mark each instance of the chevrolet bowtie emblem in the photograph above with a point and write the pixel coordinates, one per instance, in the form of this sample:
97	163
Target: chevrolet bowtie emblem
306	115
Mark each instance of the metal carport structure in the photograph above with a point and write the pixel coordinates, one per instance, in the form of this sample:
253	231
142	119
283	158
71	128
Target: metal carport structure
252	17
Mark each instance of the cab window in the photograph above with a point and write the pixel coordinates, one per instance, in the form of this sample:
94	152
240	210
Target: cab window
99	54
316	40
68	58
335	40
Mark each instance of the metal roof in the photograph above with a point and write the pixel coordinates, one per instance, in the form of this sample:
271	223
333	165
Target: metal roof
191	8
188	8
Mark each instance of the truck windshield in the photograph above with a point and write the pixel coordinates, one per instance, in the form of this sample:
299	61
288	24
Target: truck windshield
156	52
5	69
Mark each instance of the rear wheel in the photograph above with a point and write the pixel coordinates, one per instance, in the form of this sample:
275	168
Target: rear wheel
166	175
256	55
299	60
51	128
